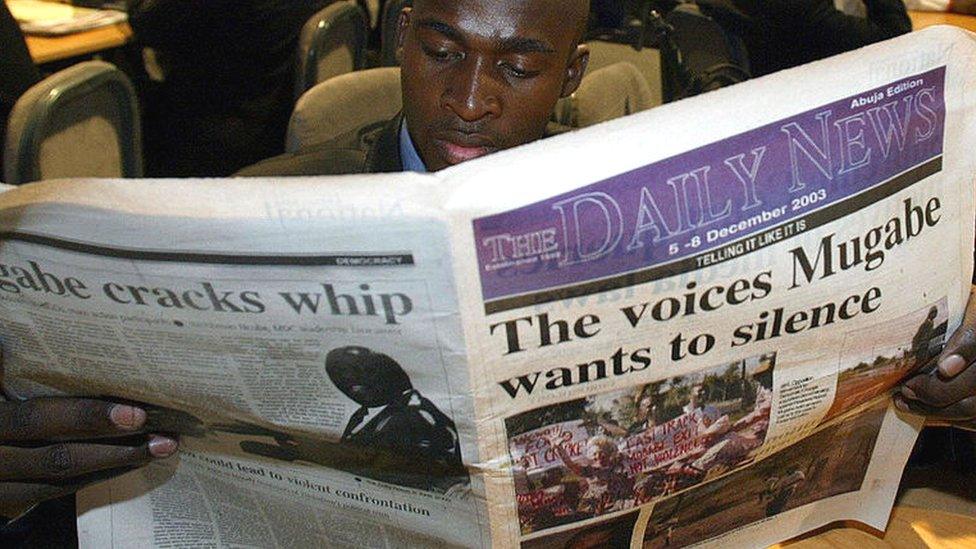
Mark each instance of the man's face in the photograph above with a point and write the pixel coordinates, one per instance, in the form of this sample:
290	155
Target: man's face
483	75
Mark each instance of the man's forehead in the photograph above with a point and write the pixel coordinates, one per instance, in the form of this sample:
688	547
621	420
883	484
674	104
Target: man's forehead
547	20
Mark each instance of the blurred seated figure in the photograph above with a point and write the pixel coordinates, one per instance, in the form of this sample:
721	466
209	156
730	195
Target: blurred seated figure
17	70
609	13
780	34
228	78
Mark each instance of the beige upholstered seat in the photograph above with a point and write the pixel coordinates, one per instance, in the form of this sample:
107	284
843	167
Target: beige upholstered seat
82	121
332	42
647	60
610	92
342	104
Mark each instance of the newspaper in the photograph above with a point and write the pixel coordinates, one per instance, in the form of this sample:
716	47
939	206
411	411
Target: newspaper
676	328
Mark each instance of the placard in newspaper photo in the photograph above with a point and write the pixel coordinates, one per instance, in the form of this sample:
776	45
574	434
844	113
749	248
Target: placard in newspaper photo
614	451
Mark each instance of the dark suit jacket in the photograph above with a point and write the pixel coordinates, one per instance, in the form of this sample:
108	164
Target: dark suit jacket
374	148
17	70
780	34
230	80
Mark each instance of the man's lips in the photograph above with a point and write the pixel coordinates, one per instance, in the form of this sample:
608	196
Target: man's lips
457	148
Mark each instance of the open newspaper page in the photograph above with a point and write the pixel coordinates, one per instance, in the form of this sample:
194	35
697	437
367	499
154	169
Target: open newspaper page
315	370
657	331
690	320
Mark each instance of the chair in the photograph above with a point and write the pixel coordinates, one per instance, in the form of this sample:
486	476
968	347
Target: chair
604	94
698	54
82	121
388	31
647	60
332	42
343	104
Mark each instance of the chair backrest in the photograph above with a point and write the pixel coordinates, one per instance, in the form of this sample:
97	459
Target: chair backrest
699	54
343	104
332	42
388	30
82	121
647	60
604	94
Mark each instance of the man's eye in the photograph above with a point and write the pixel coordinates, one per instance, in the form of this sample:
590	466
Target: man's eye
517	71
441	54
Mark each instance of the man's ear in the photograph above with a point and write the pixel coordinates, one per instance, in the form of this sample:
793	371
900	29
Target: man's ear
575	69
403	21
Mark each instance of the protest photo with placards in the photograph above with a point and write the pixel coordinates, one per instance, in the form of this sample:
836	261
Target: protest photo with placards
613	451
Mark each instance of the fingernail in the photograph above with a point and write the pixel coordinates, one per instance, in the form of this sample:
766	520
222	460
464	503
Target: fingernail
161	447
908	392
901	405
127	417
951	365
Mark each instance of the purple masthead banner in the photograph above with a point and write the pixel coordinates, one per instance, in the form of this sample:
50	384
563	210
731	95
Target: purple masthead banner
700	200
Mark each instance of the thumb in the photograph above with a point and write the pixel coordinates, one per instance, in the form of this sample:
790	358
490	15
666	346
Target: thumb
960	350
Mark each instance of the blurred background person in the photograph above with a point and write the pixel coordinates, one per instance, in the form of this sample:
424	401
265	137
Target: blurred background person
779	34
17	69
227	89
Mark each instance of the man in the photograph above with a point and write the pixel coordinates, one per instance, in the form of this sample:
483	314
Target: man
482	75
477	76
609	484
779	491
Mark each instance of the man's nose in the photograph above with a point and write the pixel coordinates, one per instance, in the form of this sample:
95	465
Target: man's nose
471	92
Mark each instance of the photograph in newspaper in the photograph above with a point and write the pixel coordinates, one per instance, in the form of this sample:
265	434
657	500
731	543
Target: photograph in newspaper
613	532
613	451
830	462
406	441
899	346
396	435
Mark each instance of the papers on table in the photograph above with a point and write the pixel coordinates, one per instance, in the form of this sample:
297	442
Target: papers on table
51	18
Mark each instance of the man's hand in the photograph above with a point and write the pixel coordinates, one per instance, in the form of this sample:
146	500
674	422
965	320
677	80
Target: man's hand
51	447
946	394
